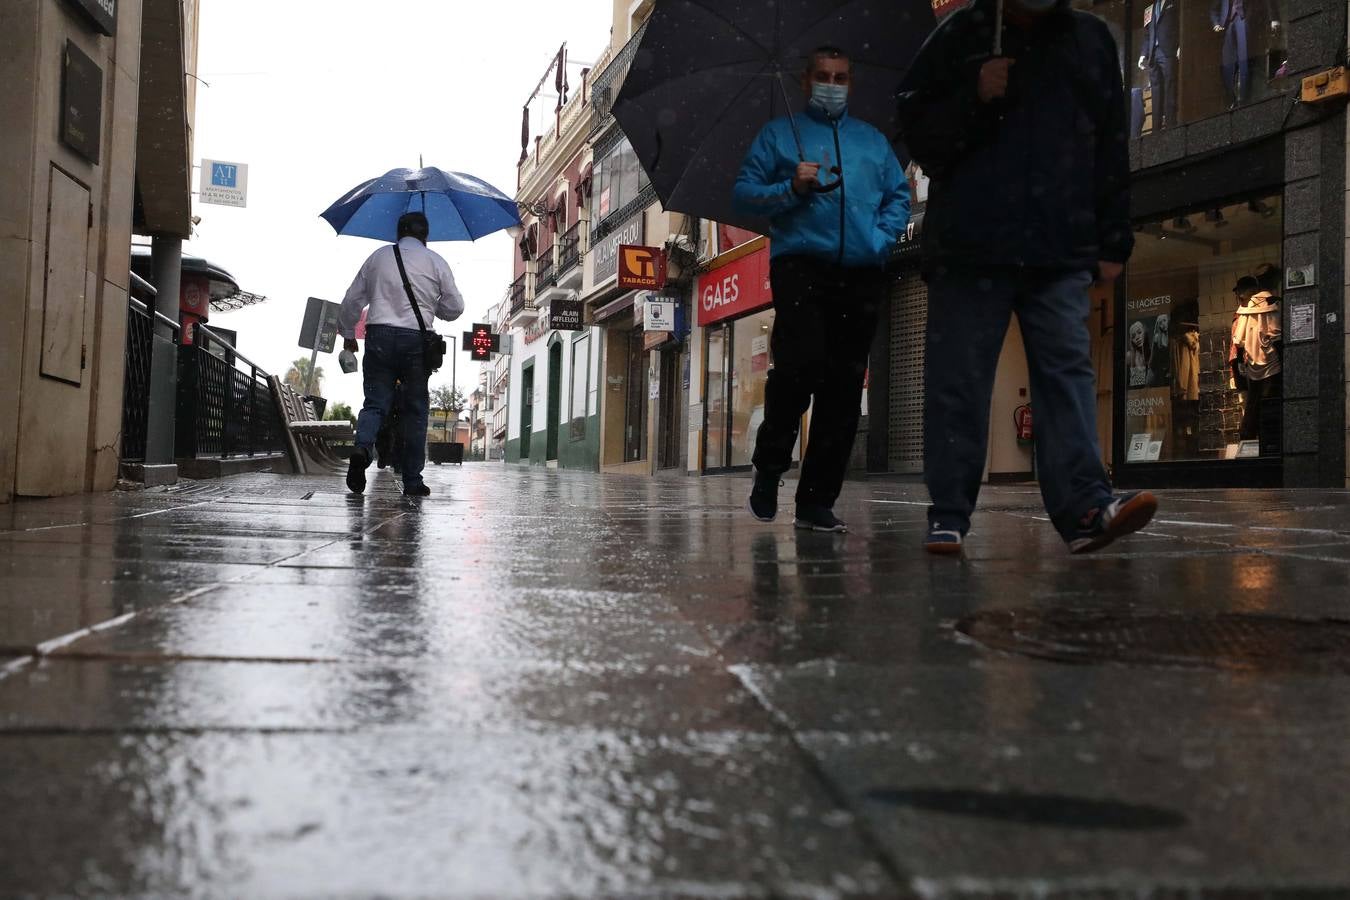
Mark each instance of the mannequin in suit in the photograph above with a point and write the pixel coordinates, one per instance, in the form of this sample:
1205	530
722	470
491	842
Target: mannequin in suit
1245	25
1161	50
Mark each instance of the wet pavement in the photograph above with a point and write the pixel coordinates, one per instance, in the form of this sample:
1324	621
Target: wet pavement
537	683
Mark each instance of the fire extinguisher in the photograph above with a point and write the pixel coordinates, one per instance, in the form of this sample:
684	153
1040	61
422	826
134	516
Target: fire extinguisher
1022	422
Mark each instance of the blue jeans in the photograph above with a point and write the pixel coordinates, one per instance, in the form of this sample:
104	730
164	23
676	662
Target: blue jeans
395	354
968	316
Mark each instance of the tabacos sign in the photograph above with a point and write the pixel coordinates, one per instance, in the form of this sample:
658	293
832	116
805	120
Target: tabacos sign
737	288
641	268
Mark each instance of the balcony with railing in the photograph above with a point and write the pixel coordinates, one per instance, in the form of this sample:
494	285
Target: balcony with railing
569	253
545	275
520	297
606	84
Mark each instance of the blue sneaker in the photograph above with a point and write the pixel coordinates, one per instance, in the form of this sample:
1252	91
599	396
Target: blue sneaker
1121	515
942	541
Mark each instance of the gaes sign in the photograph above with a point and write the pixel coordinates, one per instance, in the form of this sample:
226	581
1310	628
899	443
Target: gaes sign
737	288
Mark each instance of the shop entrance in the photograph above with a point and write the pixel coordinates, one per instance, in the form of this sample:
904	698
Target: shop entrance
635	405
554	398
526	409
668	419
738	370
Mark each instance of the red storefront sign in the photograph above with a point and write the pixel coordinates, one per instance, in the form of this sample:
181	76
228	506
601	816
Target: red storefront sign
735	289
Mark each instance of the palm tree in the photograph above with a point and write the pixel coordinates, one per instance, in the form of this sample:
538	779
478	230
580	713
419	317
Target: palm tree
298	374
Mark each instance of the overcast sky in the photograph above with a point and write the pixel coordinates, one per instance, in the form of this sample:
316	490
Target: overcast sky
318	97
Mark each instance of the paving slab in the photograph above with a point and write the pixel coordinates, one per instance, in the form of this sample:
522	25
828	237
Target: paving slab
540	683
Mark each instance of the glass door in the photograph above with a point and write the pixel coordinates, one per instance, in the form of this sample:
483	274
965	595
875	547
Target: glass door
715	432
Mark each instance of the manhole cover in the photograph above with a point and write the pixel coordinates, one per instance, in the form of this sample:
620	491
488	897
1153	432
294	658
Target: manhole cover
1228	641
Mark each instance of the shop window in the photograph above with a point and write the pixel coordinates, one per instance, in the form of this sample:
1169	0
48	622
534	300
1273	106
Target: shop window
617	179
581	371
1202	344
749	374
1195	60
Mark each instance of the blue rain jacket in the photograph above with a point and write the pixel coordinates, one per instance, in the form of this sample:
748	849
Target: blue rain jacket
855	226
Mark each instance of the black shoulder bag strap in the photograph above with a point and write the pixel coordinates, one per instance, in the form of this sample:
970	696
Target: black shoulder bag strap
433	347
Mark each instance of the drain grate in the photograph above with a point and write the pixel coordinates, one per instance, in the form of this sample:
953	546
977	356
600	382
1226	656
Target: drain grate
1226	641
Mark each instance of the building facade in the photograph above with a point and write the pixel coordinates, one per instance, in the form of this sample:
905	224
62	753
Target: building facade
1236	176
83	163
550	412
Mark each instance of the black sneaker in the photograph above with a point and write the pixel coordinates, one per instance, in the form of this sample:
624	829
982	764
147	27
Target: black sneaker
357	464
818	518
1123	514
420	490
763	502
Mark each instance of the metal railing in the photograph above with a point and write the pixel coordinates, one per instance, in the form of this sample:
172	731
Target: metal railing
225	404
610	80
569	249
139	349
544	274
519	297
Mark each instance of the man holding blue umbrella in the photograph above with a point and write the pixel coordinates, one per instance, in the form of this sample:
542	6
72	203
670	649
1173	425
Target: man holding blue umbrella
404	285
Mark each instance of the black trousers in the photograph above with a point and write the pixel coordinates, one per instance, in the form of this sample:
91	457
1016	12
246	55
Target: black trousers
824	319
1263	416
1162	78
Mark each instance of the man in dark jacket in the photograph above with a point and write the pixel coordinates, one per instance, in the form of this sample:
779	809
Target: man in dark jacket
1029	202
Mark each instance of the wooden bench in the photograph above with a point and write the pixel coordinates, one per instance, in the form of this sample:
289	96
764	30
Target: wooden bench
308	439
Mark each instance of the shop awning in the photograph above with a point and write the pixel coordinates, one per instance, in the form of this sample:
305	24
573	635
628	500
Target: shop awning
224	290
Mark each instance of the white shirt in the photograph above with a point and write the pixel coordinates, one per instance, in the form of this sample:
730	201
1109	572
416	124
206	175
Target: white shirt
379	286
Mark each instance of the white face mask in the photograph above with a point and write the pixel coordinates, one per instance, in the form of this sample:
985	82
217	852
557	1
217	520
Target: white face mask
832	99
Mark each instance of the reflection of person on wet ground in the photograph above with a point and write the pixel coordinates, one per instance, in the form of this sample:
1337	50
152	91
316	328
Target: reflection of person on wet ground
1029	204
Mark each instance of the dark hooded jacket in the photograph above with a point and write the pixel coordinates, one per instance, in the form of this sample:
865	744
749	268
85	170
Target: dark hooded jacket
1039	178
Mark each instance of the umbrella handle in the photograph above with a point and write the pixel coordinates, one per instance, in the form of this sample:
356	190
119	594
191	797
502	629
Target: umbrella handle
998	28
792	120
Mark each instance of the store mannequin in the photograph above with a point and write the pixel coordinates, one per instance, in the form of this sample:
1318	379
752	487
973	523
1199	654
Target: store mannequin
1255	354
1161	53
1242	23
1186	379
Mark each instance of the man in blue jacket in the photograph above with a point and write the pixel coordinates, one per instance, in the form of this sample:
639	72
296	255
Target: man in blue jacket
1029	203
837	199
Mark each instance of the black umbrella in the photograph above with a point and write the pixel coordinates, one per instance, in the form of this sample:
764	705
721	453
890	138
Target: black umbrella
709	73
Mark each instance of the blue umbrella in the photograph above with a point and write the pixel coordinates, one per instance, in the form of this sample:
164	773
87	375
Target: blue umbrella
459	207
